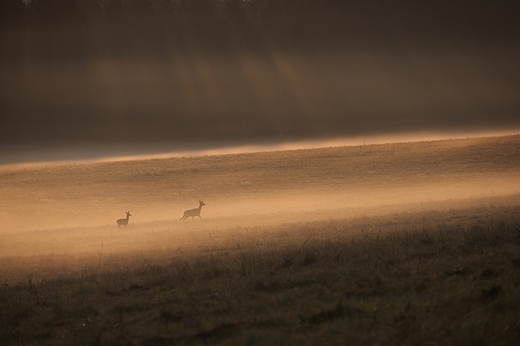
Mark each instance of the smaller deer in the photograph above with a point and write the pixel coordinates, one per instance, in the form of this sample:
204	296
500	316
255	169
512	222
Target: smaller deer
124	222
193	212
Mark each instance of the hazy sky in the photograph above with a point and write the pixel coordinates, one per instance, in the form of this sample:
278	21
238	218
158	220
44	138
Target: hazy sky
98	73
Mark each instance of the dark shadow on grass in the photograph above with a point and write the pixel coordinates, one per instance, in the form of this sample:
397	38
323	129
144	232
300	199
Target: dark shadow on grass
340	311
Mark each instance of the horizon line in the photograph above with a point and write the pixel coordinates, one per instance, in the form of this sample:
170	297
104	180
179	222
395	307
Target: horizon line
165	151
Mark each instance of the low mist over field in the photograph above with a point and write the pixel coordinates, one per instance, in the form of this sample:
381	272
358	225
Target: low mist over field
355	165
369	244
72	208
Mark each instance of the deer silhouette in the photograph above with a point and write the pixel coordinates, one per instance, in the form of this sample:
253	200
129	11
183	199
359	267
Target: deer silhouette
193	212
124	222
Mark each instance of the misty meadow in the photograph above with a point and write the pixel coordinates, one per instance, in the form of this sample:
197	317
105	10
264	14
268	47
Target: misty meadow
405	243
148	196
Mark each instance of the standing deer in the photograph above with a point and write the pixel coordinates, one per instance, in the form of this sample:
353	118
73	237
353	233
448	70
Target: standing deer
193	212
124	222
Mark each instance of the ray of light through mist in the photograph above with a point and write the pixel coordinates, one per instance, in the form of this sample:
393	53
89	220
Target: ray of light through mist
124	78
100	81
73	208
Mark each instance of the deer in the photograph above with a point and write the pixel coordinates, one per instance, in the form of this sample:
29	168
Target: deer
124	222
193	212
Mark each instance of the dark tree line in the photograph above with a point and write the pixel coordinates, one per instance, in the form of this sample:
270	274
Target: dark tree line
498	16
44	28
53	88
74	29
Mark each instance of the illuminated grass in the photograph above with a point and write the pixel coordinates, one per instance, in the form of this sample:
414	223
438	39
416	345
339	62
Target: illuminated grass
406	284
408	243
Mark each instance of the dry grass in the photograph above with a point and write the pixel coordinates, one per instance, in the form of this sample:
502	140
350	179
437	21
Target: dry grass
414	243
76	195
431	277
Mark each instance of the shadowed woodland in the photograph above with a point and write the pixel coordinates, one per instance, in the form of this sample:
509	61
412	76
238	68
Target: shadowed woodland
84	72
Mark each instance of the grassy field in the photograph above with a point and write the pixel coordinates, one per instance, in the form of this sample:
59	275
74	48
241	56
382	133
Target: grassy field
411	243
